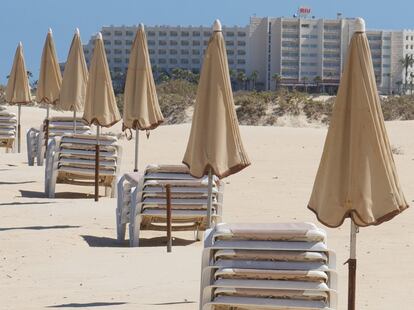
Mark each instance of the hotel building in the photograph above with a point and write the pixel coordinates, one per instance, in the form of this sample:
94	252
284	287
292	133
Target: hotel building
300	50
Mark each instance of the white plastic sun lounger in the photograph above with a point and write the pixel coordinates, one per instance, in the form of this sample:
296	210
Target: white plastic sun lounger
58	126
71	160
8	125
267	266
142	203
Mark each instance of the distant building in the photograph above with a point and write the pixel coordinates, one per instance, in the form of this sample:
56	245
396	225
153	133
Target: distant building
302	51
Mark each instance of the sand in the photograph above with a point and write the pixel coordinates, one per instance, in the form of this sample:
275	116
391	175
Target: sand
62	252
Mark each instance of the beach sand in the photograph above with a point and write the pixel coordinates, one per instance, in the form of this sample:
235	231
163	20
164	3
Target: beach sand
62	252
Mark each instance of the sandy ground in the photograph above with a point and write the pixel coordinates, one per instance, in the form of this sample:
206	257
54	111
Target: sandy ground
62	253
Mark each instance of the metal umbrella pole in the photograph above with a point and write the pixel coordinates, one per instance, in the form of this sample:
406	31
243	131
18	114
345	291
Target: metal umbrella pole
352	265
97	163
209	197
19	129
136	148
74	122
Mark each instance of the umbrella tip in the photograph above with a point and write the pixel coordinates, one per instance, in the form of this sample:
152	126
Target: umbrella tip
99	36
141	26
359	24
77	32
217	25
20	44
50	30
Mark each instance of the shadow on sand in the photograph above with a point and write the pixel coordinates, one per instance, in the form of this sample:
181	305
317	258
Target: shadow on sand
38	227
24	203
60	195
105	242
174	303
16	183
90	304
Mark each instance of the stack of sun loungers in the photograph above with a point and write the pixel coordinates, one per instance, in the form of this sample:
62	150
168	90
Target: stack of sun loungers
58	126
8	123
71	159
142	201
267	266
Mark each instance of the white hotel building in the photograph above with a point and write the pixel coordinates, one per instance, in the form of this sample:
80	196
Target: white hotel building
297	49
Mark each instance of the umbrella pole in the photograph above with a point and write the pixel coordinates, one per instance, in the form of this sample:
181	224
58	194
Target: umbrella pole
209	197
352	264
74	122
47	127
97	164
19	129
136	149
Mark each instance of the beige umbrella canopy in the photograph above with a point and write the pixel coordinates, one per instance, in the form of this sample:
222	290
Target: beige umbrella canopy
18	89
357	177
50	78
100	104
75	78
215	144
141	108
215	141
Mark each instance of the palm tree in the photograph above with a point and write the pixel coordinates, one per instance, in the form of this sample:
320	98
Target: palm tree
253	78
277	79
411	83
241	79
317	80
305	83
406	62
399	83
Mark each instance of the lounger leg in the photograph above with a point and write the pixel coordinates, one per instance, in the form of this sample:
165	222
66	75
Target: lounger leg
198	234
120	227
107	192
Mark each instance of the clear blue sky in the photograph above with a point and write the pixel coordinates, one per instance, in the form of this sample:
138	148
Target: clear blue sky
29	20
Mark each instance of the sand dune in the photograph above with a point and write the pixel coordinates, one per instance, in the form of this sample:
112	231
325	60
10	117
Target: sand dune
62	253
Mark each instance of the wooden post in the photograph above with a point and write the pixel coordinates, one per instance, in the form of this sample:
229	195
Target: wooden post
46	130
97	164
19	128
169	239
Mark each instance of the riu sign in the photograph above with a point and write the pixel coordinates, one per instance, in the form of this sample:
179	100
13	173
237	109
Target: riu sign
304	10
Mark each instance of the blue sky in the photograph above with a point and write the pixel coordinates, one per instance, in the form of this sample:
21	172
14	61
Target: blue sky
29	20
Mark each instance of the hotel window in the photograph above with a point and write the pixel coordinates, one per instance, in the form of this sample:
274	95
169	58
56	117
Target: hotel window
117	51
207	33
230	52
305	25
185	43
196	43
151	42
107	42
127	52
229	43
129	33
411	38
151	51
117	60
205	43
185	33
118	33
184	61
172	42
185	52
126	60
230	34
118	42
406	47
173	61
195	52
173	52
107	51
162	52
195	61
106	33
241	62
196	33
173	33
162	33
241	52
117	69
162	61
151	33
162	42
241	34
231	61
128	42
406	37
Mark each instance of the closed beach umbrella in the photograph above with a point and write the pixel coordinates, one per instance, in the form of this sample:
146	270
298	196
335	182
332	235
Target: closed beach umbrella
50	78
141	108
100	104
18	89
75	78
357	178
215	144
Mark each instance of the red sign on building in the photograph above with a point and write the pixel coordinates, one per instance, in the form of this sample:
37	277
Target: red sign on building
304	10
